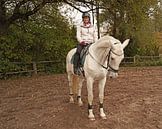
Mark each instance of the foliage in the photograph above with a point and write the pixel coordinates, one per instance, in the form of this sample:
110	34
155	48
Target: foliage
45	36
35	30
157	17
150	62
132	19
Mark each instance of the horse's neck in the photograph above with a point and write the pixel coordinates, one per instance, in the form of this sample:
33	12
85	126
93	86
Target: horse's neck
100	53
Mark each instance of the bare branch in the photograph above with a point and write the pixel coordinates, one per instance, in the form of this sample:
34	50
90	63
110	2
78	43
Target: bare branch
17	15
18	5
72	5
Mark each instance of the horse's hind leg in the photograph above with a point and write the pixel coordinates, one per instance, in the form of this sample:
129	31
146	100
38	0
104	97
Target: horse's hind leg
80	103
70	80
101	97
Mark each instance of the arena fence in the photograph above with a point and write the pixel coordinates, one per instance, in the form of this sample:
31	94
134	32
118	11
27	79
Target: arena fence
142	61
33	68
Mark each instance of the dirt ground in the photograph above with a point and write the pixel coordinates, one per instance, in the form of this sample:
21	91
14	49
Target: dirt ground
132	101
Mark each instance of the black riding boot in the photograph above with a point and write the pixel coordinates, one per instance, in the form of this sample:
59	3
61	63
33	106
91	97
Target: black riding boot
76	61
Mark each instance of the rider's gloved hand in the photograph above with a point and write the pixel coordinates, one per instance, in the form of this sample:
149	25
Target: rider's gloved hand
83	43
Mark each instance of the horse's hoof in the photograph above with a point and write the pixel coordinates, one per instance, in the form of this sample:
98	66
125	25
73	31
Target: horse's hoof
80	104
91	118
103	117
71	101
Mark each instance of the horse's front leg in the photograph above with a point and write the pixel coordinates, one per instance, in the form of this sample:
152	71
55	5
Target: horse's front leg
101	97
90	98
80	103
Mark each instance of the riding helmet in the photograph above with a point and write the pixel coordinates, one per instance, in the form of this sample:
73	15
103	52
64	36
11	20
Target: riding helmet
86	15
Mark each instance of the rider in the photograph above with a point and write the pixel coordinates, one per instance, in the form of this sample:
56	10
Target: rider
86	34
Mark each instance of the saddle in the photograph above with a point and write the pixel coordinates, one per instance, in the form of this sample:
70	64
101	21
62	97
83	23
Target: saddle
83	54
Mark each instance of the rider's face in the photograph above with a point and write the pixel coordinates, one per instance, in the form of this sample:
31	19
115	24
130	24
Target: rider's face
86	20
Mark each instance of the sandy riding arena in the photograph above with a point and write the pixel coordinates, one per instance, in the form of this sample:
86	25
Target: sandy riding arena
132	101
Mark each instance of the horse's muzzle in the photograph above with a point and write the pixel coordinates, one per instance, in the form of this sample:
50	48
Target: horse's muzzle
112	74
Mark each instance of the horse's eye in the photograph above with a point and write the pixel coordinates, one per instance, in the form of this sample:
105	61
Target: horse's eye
112	58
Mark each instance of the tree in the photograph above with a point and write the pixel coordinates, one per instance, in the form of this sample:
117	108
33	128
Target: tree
33	30
13	10
157	17
131	19
46	35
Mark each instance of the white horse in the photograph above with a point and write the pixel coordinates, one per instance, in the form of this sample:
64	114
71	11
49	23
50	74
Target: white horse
103	58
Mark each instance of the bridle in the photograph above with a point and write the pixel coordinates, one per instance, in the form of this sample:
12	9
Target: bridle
108	61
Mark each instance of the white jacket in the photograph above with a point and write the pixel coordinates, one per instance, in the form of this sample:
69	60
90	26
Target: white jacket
87	33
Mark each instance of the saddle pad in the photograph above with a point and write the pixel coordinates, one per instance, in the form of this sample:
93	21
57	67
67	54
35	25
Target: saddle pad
83	54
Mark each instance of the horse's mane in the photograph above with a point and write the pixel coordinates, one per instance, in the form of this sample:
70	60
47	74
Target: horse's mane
102	39
106	38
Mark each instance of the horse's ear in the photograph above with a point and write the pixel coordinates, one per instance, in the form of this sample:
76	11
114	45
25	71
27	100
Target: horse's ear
125	43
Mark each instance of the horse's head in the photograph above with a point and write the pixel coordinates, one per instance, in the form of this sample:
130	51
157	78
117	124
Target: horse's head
116	55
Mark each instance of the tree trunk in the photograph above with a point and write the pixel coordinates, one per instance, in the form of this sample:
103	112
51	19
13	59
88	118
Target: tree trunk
4	24
114	26
3	28
98	20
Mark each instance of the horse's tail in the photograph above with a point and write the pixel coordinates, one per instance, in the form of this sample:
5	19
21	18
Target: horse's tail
75	82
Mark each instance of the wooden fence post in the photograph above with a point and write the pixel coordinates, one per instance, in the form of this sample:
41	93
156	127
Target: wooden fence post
35	67
134	59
